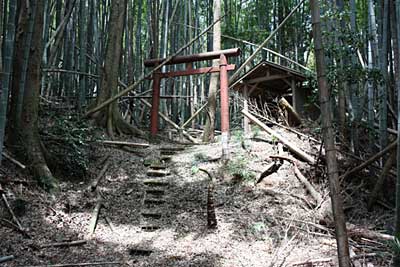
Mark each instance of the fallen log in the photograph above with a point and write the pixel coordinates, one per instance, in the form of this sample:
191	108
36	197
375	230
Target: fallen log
81	264
370	160
6	258
310	188
293	148
64	244
355	231
122	143
290	129
286	106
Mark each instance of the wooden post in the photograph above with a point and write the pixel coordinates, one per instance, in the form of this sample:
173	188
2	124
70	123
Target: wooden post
224	107
155	103
246	125
298	97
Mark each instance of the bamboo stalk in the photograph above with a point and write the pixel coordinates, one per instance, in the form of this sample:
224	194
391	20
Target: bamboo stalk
250	59
293	148
370	160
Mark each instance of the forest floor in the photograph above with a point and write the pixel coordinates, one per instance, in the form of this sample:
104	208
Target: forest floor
162	220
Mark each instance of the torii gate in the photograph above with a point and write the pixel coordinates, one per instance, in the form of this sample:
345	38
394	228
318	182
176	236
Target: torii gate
223	69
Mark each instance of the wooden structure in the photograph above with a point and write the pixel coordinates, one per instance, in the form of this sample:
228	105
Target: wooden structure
268	79
223	69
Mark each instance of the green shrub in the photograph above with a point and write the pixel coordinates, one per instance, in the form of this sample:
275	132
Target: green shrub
237	167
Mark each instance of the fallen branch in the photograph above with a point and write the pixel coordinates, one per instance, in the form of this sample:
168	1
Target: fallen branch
92	187
109	222
65	244
271	168
370	160
95	216
81	264
16	162
294	149
15	219
122	143
260	139
6	258
381	179
310	188
355	231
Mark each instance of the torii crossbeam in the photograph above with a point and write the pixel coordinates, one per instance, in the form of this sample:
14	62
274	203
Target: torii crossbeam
223	69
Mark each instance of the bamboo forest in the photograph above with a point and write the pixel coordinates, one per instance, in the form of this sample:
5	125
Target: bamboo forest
208	133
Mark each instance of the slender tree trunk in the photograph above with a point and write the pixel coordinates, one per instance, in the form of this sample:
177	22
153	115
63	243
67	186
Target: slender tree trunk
212	91
397	212
334	185
383	87
5	74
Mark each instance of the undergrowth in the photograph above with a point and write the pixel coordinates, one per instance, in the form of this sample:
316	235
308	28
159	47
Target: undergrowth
237	168
67	138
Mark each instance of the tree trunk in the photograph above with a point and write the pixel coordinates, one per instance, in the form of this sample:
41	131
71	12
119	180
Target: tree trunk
110	117
334	186
5	74
212	91
28	131
397	217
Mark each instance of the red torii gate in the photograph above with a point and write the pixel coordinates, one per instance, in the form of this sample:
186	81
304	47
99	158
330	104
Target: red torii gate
223	69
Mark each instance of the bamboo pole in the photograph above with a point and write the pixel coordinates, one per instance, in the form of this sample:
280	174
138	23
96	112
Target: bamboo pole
370	160
293	148
249	59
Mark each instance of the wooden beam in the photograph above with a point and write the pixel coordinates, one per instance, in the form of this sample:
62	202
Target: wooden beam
190	71
233	52
163	96
267	78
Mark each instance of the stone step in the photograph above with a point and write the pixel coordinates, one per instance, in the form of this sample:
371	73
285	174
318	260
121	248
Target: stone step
166	158
155	182
172	148
150	227
155	192
140	251
154	201
158	166
157	173
151	214
167	152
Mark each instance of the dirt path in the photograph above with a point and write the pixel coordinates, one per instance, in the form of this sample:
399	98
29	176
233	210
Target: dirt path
157	209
